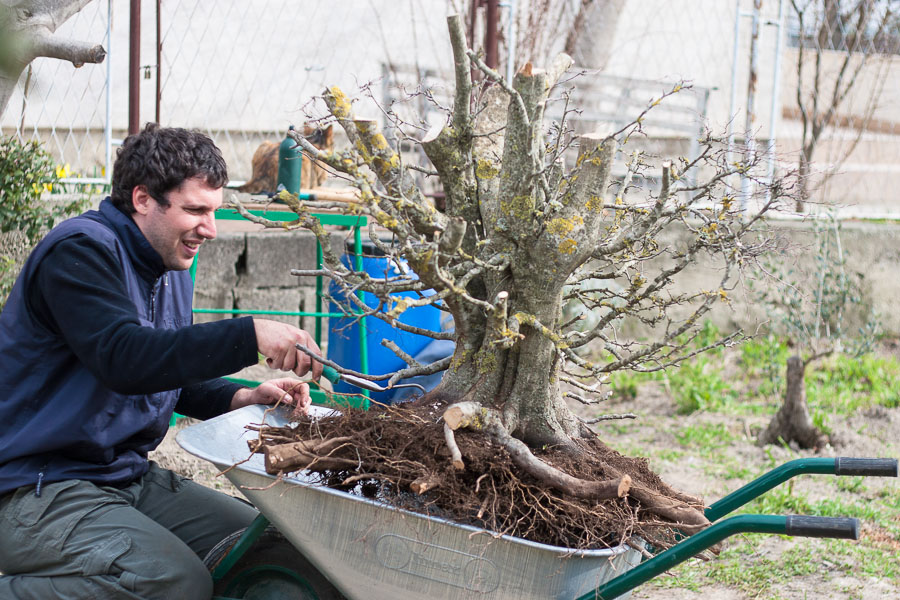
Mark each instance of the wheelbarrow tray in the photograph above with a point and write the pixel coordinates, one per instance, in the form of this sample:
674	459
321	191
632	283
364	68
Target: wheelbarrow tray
368	549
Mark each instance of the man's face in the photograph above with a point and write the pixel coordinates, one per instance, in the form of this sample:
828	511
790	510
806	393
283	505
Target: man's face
176	231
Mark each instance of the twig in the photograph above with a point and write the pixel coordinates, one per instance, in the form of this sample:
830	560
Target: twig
354	478
610	417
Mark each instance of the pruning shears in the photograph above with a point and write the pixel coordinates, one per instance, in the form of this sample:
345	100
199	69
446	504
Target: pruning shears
332	375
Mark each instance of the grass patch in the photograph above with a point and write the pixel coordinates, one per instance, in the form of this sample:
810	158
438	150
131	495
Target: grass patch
761	571
755	575
755	564
853	485
705	436
624	384
699	385
728	469
844	385
670	454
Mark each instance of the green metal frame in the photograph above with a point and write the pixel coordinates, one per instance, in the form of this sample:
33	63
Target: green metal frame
250	535
355	223
692	546
777	476
715	533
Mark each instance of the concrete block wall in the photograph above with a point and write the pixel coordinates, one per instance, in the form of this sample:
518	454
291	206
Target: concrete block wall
872	249
251	271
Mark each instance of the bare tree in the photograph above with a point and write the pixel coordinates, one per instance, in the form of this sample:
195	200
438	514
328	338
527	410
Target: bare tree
812	306
28	30
520	236
859	31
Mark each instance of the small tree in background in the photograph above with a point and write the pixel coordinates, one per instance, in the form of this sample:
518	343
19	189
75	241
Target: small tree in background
812	306
860	32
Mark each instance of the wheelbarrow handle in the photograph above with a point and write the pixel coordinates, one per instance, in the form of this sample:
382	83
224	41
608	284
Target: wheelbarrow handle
871	467
331	374
831	527
882	467
822	527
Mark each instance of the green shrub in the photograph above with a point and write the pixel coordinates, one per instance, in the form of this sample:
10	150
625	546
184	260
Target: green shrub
26	170
624	384
844	384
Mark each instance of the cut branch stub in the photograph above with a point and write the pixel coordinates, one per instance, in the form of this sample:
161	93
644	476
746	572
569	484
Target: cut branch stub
522	156
572	233
423	484
374	150
463	75
306	455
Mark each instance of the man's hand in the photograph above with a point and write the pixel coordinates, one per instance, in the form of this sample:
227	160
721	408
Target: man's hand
289	391
277	342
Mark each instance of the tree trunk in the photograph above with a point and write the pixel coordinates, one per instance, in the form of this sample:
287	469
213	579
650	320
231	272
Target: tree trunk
591	37
803	179
522	383
792	422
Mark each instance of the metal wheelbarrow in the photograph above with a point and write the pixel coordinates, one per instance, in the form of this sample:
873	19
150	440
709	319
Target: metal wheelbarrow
344	545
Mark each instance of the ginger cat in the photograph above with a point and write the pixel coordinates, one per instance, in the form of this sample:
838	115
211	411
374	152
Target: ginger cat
265	163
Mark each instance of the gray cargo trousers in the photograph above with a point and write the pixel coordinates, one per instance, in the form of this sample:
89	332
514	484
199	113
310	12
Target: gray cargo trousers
147	540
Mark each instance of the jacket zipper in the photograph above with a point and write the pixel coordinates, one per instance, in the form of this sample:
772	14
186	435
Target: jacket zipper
164	280
153	291
40	481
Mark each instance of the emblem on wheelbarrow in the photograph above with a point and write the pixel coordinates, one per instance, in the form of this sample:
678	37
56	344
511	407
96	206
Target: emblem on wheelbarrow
437	563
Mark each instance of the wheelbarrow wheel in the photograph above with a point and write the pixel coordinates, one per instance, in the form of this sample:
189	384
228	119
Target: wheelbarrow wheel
270	569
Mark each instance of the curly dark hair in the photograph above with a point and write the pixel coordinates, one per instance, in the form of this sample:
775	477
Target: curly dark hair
162	158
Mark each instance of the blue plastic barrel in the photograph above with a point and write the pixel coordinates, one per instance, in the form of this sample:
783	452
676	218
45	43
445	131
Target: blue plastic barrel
343	332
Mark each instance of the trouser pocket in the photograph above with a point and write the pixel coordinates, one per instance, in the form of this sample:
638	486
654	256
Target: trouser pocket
166	479
31	508
34	529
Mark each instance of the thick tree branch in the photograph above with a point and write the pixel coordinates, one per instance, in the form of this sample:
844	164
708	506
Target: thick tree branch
76	52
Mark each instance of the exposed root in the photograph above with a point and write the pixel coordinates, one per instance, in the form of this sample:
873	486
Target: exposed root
456	458
423	484
307	455
479	418
591	498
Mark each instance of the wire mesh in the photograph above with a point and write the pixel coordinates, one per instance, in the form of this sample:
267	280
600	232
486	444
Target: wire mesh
841	106
242	71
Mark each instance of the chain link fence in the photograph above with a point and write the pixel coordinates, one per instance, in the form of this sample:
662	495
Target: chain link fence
841	102
242	71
